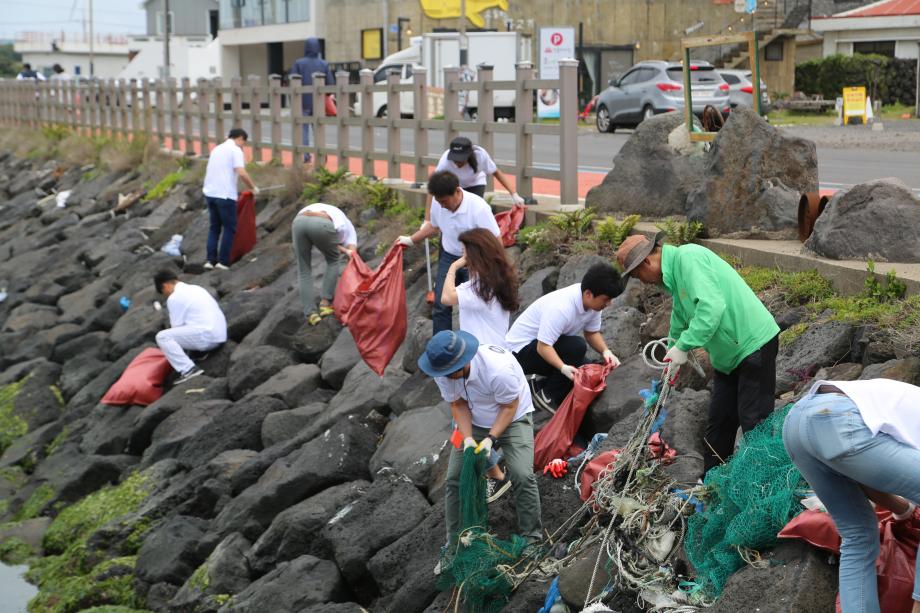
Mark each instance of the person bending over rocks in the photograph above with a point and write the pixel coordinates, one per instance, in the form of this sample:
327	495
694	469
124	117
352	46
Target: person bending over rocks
856	441
196	323
716	310
552	335
328	229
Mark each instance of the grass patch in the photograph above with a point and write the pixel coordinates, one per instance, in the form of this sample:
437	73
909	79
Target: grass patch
109	583
15	551
42	495
787	117
11	425
58	440
164	186
790	334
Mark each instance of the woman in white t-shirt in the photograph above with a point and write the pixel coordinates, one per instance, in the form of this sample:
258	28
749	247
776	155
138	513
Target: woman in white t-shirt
472	165
490	296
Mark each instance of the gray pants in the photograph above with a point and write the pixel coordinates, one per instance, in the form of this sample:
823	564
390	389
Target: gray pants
517	445
308	232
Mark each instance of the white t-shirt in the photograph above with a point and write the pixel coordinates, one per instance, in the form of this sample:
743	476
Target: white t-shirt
343	226
556	314
487	321
888	406
473	212
496	378
220	177
485	167
192	306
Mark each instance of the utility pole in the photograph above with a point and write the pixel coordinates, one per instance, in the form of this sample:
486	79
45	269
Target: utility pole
92	43
464	43
166	29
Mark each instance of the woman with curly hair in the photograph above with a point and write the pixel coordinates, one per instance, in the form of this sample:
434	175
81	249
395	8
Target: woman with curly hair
489	298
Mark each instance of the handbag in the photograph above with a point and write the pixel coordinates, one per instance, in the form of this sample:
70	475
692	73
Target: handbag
331	111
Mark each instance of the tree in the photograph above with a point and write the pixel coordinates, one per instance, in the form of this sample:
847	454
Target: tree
10	61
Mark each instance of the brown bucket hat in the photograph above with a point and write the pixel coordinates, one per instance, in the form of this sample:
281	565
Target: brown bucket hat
635	249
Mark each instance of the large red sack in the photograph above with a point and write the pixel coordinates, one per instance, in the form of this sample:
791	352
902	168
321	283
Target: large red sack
509	222
373	306
245	238
897	557
142	381
554	440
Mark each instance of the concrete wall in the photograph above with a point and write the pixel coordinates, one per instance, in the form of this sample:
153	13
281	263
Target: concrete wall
779	75
105	66
841	41
190	17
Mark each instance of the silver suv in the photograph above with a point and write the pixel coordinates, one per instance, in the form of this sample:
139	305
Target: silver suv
654	87
741	89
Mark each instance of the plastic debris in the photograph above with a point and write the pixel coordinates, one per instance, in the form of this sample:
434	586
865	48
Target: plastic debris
174	246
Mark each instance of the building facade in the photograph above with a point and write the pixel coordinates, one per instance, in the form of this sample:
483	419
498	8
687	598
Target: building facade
890	28
110	52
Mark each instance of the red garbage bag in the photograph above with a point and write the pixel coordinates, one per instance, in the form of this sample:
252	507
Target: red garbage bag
245	238
509	222
815	528
142	381
595	469
373	306
554	440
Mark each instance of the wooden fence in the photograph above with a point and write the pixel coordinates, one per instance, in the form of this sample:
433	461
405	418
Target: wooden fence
191	118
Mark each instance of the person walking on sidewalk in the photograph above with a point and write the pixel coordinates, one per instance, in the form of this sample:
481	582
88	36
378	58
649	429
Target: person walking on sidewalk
27	73
490	296
713	308
328	229
305	67
225	166
196	323
551	337
454	212
473	166
856	441
490	402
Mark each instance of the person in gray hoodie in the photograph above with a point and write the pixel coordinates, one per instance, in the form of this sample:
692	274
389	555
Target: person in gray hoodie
305	67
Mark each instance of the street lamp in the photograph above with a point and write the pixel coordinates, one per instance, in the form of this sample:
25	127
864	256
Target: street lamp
399	30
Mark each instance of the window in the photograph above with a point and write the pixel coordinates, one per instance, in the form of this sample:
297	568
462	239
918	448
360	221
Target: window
250	13
730	78
882	47
172	23
631	77
381	74
774	51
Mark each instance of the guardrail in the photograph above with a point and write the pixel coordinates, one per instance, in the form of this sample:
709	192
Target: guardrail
191	118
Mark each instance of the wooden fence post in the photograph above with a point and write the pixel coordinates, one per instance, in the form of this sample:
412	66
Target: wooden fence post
319	112
523	115
420	99
219	131
159	87
393	115
342	112
204	117
451	103
367	113
136	123
255	110
296	119
485	113
568	131
146	107
236	103
188	128
173	93
274	107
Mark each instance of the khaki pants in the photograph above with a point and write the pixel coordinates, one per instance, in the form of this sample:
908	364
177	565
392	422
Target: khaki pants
308	232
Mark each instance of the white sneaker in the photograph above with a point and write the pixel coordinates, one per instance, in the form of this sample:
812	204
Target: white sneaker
208	266
219	266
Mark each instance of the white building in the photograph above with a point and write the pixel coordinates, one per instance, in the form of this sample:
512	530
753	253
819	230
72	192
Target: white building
72	51
889	27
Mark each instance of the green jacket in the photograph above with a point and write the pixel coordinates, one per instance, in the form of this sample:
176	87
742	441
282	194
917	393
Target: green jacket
713	307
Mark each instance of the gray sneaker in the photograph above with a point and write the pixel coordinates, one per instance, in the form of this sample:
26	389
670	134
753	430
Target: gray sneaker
496	488
194	372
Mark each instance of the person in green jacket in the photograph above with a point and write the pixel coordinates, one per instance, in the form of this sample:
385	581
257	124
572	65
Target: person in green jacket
713	308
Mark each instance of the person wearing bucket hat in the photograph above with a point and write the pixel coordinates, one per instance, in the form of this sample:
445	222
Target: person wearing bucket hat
489	402
713	308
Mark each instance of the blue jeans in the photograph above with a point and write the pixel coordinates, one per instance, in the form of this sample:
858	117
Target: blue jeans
305	130
440	314
830	444
223	229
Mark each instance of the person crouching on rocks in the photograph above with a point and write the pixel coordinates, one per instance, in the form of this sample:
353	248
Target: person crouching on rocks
490	402
856	441
716	310
328	229
196	323
489	298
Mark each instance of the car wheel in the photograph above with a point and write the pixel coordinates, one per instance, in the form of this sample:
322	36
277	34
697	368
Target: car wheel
647	112
382	113
602	120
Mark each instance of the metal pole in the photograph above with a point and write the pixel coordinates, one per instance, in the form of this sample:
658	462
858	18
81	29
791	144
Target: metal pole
464	43
386	27
917	95
166	60
568	130
92	43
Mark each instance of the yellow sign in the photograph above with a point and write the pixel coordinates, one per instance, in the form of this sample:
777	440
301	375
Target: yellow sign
450	9
854	104
372	44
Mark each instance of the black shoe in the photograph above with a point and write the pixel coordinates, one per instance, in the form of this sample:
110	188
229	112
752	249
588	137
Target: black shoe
495	488
194	372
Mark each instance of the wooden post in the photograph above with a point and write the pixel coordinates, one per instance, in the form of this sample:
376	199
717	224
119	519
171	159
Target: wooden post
420	100
255	109
147	109
485	113
568	131
393	115
219	132
204	117
523	115
174	113
97	91
367	113
451	103
236	103
136	126
160	92
111	100
319	112
296	119
123	110
188	128
274	107
342	113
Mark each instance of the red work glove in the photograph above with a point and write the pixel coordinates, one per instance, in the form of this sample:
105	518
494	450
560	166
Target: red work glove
556	468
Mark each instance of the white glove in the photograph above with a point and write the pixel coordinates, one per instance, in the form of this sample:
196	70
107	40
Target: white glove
516	198
906	514
611	360
255	190
468	442
675	358
405	241
568	371
485	445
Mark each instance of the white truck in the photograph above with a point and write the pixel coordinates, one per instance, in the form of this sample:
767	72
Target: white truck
439	50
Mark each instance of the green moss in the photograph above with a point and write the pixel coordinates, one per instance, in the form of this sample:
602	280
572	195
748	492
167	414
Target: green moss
55	444
114	609
200	579
222	599
57	394
11	425
790	334
15	551
42	495
13	475
161	189
109	583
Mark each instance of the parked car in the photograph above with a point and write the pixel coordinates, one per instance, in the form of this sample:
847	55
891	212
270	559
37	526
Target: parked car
741	89
654	87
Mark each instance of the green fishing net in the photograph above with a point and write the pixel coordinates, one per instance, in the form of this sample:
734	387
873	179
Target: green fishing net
475	568
752	497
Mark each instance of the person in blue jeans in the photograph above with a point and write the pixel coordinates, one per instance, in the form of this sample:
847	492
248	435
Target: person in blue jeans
226	165
453	212
856	441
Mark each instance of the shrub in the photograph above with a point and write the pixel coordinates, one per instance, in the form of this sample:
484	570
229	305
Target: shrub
885	79
613	233
680	232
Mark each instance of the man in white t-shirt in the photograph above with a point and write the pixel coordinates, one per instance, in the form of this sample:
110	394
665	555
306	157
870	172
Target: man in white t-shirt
453	212
552	335
196	323
225	165
489	401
